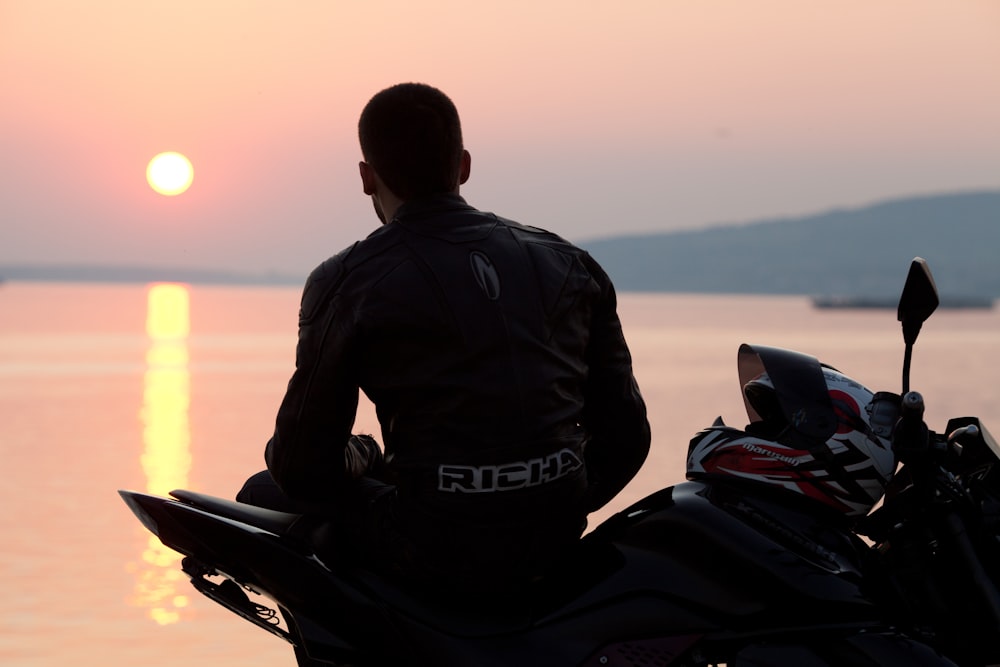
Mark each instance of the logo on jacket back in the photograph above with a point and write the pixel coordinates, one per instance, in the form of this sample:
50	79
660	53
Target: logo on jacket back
508	476
486	275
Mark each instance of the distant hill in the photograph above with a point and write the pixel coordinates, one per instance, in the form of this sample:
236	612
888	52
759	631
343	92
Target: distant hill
862	252
141	274
854	253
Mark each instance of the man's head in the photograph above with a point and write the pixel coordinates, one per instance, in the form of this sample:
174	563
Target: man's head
411	137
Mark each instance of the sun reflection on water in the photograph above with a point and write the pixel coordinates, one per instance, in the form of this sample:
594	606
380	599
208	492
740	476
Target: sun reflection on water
166	457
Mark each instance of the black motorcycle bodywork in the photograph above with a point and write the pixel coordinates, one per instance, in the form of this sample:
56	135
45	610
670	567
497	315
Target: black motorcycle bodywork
693	574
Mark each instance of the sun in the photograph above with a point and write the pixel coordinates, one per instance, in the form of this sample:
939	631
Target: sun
170	173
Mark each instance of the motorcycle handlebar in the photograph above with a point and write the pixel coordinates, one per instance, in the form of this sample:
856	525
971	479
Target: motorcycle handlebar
911	437
912	406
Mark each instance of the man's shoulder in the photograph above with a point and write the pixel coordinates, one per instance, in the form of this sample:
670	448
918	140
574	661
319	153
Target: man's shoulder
323	280
343	267
333	268
547	247
549	243
357	253
532	233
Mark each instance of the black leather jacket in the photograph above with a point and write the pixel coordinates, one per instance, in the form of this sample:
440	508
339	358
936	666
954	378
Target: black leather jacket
494	356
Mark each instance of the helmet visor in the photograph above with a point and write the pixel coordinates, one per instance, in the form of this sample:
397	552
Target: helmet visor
799	387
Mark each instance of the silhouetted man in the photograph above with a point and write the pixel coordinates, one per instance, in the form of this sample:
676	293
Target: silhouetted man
493	354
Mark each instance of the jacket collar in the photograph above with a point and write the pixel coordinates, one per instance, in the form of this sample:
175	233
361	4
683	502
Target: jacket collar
432	205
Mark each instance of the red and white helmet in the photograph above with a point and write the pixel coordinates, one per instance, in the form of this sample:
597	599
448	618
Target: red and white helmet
810	433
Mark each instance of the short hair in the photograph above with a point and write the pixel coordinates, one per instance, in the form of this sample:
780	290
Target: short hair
411	135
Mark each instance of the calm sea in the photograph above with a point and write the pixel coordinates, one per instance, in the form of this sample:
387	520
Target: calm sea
105	387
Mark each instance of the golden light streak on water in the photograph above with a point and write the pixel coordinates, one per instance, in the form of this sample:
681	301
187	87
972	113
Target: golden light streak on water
166	457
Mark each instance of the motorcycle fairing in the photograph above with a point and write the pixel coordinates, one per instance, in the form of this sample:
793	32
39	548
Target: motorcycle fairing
735	556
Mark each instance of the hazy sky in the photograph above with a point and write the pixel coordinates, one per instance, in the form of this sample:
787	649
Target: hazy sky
588	117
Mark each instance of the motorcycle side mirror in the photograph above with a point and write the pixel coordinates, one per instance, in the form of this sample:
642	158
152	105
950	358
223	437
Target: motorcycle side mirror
916	304
918	300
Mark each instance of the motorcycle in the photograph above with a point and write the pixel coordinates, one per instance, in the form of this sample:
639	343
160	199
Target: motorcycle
704	572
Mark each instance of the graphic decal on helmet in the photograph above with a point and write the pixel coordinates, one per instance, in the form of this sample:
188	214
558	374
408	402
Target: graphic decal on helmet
846	410
847	470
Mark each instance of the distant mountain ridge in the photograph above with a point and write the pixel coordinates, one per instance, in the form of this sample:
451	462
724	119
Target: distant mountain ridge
141	274
861	252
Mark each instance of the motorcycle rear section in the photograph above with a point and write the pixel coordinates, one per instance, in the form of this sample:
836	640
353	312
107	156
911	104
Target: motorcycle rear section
694	574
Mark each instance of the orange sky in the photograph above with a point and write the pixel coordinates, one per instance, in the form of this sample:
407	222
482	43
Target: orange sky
589	118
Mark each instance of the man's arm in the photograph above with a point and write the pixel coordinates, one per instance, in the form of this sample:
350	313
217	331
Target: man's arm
309	455
614	410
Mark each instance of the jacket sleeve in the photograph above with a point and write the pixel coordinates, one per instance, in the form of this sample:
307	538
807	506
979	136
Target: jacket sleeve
310	456
614	411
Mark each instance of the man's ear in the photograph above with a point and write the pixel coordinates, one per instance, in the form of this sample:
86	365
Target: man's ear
465	168
368	179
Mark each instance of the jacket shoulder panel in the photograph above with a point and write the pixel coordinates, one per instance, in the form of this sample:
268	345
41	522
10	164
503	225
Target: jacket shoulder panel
323	280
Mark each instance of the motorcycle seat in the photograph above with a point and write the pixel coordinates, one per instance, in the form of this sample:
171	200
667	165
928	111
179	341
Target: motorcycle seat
273	521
